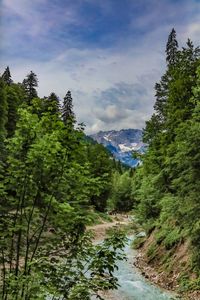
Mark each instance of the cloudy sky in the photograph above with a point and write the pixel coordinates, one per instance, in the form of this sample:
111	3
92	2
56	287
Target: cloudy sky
109	53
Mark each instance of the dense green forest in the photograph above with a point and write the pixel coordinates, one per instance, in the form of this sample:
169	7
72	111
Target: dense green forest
54	182
167	185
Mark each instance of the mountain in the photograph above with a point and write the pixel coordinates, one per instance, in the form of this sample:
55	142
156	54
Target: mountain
122	143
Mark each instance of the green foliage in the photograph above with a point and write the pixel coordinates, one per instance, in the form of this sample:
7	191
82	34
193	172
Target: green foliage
51	179
30	83
149	206
88	269
172	48
121	198
172	238
152	251
96	217
51	104
189	284
7	76
67	109
3	118
138	242
100	166
166	186
13	100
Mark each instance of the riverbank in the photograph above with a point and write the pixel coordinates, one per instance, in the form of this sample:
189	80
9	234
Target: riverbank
161	278
133	284
139	261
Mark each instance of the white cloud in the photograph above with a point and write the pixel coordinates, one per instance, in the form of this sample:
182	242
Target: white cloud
92	75
112	87
192	31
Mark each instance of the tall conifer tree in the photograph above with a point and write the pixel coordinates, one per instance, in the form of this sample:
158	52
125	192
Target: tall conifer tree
7	76
3	116
30	83
67	109
157	123
172	48
52	104
13	103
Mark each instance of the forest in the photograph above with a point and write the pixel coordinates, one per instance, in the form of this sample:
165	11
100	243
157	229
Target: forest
55	181
167	185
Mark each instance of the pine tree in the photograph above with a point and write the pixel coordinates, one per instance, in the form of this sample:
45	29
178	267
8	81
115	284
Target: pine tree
3	116
161	89
67	109
7	76
30	83
13	101
101	166
167	185
172	48
157	123
183	77
52	104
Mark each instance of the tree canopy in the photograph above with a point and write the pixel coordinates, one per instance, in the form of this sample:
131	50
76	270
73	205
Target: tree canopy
52	181
167	184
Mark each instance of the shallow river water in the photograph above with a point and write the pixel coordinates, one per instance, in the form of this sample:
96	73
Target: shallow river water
133	286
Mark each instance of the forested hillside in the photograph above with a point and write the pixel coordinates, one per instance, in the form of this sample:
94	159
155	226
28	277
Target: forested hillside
53	183
167	185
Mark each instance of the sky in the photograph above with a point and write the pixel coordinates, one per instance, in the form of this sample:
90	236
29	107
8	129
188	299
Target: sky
109	53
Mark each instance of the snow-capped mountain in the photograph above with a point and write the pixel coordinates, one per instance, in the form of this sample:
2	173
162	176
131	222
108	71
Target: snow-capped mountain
122	143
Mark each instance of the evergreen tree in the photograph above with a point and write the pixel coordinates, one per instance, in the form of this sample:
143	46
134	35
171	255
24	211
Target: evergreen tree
52	104
174	89
101	166
183	79
13	101
172	48
7	76
3	116
30	83
161	88
167	184
121	194
67	109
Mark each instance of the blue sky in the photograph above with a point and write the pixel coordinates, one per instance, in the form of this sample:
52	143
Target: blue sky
109	53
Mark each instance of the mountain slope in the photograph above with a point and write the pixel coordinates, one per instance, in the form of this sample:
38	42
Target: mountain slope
122	143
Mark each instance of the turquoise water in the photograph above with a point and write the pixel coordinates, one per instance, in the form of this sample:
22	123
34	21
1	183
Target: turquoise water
133	286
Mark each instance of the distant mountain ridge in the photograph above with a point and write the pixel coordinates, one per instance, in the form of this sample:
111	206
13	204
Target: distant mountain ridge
122	143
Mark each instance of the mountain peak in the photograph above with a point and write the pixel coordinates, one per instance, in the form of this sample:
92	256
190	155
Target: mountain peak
121	143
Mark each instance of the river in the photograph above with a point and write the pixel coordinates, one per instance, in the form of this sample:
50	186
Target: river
134	286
